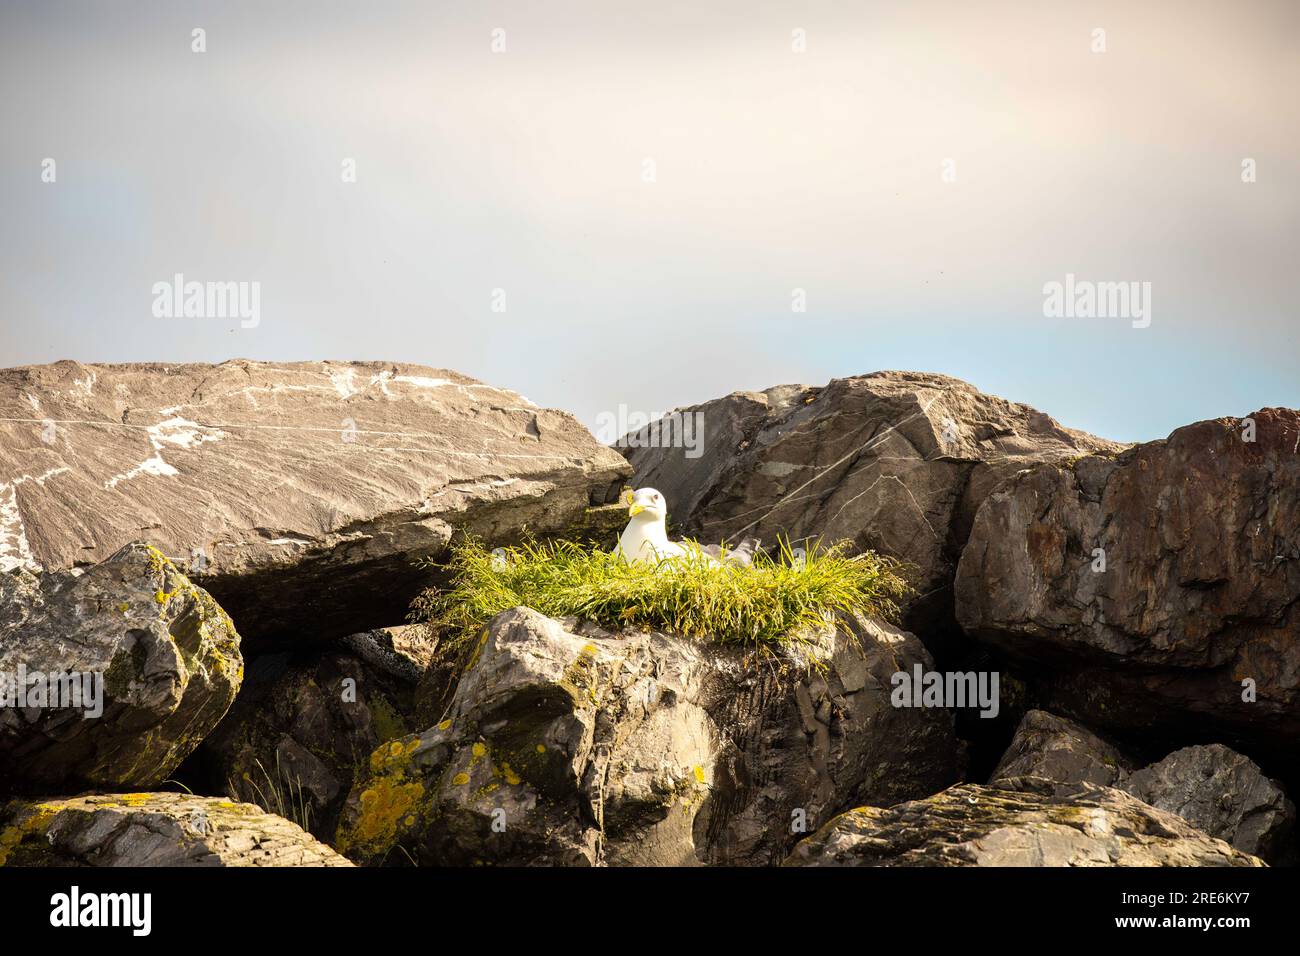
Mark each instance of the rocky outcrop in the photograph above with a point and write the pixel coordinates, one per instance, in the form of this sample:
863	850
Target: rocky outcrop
133	665
300	495
1062	751
153	829
1221	792
1192	623
1031	823
1212	787
575	746
302	726
896	462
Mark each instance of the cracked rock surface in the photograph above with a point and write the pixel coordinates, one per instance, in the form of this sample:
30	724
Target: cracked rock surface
1194	623
1221	792
576	746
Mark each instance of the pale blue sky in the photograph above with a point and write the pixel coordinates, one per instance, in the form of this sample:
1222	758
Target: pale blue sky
523	170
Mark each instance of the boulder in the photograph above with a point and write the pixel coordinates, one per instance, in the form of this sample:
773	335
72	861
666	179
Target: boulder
300	495
302	725
896	462
1061	751
153	829
1192	624
135	664
1033	823
1223	793
567	744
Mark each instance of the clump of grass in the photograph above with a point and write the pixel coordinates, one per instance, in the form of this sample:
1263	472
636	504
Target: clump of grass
778	600
276	793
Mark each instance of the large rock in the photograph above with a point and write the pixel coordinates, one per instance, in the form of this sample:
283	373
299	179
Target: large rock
303	724
1062	751
896	462
301	495
1194	625
572	745
1036	825
1221	792
153	829
152	652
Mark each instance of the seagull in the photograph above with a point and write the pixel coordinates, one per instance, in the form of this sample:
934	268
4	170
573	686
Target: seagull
646	536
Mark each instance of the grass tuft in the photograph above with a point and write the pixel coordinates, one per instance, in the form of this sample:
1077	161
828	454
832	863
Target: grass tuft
776	601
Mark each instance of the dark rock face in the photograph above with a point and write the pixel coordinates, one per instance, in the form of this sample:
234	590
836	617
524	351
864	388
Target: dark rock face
575	746
896	462
153	829
1025	823
300	495
1221	792
1062	751
1196	610
163	653
303	725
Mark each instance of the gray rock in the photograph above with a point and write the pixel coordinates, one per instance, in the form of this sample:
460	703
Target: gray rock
1194	625
1037	824
572	745
163	652
896	462
1061	751
152	829
1221	792
299	494
404	653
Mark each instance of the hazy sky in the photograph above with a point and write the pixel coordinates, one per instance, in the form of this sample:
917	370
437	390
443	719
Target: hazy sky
774	170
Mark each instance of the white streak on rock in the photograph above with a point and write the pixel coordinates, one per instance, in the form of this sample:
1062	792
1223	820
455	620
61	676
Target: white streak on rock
14	550
174	431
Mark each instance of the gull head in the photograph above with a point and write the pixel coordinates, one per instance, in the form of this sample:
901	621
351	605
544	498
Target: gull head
646	504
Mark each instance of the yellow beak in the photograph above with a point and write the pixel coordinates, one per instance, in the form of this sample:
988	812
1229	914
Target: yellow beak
635	510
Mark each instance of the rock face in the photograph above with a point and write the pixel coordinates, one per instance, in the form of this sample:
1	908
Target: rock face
970	825
301	727
157	654
894	461
575	746
153	829
1212	787
1221	792
1194	624
298	494
1062	751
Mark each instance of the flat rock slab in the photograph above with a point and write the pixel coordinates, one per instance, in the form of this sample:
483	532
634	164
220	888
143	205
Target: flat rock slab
299	494
134	664
153	829
896	462
970	825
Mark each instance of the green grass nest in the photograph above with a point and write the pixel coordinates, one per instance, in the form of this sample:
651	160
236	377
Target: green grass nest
778	600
